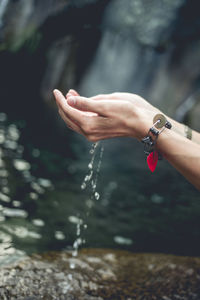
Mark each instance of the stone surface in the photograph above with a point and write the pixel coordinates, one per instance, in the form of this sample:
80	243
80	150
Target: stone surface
98	274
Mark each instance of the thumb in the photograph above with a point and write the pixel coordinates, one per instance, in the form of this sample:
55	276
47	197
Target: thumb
86	104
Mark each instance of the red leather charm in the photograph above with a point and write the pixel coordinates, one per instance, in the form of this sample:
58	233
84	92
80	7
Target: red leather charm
152	160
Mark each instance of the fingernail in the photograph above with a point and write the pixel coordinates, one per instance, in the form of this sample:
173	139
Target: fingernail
71	100
69	92
56	92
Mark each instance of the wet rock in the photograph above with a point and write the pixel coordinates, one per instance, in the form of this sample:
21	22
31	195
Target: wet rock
20	19
147	22
150	48
102	274
143	50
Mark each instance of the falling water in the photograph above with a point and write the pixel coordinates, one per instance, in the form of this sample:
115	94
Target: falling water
90	181
91	177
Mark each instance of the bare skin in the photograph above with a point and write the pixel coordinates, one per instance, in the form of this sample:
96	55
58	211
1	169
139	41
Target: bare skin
124	114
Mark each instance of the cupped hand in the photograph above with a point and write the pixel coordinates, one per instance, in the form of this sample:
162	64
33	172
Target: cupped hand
106	116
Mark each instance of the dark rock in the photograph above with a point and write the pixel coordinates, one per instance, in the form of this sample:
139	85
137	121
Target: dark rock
102	274
143	50
149	48
20	19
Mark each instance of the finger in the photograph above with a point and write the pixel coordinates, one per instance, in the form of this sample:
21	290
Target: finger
111	96
72	92
101	97
88	104
69	123
73	114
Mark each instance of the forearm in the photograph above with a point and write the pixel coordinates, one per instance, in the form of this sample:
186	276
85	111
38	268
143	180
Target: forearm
180	129
122	114
182	153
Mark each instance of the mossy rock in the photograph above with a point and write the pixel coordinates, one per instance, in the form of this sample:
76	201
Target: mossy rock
101	274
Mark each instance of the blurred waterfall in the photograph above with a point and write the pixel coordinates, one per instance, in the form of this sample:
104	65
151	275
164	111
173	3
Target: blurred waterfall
149	48
144	49
184	109
3	5
126	59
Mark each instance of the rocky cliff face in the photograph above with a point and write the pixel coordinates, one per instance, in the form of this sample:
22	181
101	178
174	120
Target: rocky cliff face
103	46
19	19
150	49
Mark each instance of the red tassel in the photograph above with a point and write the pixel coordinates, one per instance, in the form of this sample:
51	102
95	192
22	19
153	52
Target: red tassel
152	160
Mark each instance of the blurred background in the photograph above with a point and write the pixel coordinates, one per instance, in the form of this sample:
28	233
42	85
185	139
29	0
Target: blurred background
151	48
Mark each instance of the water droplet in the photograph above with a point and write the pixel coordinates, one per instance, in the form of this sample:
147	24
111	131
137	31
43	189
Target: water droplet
72	266
33	196
16	203
78	230
85	226
87	178
4	198
46	183
5	189
38	222
97	196
90	166
75	220
93	186
122	240
59	235
21	164
83	185
15	212
75	253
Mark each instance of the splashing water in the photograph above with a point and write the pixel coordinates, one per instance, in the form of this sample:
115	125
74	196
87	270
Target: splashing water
78	241
90	181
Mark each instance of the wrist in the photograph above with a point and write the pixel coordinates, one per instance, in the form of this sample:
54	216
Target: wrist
144	123
160	124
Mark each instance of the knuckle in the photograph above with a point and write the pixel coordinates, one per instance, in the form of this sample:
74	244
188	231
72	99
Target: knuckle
88	128
104	108
115	94
82	104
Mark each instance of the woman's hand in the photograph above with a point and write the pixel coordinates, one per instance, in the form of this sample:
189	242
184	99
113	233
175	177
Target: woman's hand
124	114
106	116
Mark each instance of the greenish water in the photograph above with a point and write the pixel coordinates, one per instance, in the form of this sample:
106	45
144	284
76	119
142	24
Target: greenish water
41	200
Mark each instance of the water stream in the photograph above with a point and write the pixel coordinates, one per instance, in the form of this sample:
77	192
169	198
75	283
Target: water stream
90	181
